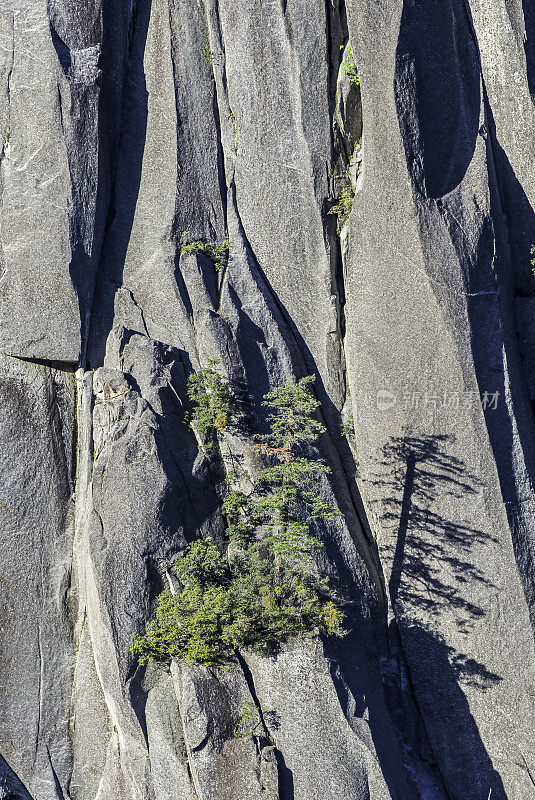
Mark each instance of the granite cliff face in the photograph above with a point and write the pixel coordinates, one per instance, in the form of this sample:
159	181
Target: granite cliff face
133	128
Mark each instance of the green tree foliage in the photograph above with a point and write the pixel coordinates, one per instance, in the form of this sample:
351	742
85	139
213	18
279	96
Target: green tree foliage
250	721
263	589
207	55
349	67
212	403
343	207
348	428
217	253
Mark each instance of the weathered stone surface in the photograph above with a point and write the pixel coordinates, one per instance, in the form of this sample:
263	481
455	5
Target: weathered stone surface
36	196
61	68
167	186
131	129
166	744
283	115
430	272
222	764
299	698
36	430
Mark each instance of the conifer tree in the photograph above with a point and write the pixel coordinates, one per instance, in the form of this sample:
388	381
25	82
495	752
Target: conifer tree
268	589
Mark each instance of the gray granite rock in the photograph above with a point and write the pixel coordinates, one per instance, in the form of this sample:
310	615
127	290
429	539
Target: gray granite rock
431	273
129	130
36	430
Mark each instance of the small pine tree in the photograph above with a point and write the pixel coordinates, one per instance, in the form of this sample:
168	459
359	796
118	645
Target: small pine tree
267	590
280	499
212	403
250	721
349	67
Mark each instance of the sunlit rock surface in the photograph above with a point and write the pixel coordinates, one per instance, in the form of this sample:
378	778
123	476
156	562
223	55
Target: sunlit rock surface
131	129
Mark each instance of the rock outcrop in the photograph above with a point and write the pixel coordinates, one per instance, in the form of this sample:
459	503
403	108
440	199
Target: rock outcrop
133	129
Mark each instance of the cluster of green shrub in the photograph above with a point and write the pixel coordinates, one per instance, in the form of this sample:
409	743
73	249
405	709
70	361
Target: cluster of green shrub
259	585
212	405
250	721
207	55
344	203
349	67
217	253
343	206
347	429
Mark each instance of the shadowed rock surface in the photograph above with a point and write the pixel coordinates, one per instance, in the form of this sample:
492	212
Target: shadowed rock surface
132	129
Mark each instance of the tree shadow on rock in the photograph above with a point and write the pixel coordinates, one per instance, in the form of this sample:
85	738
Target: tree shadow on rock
353	667
491	251
434	579
294	357
428	544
